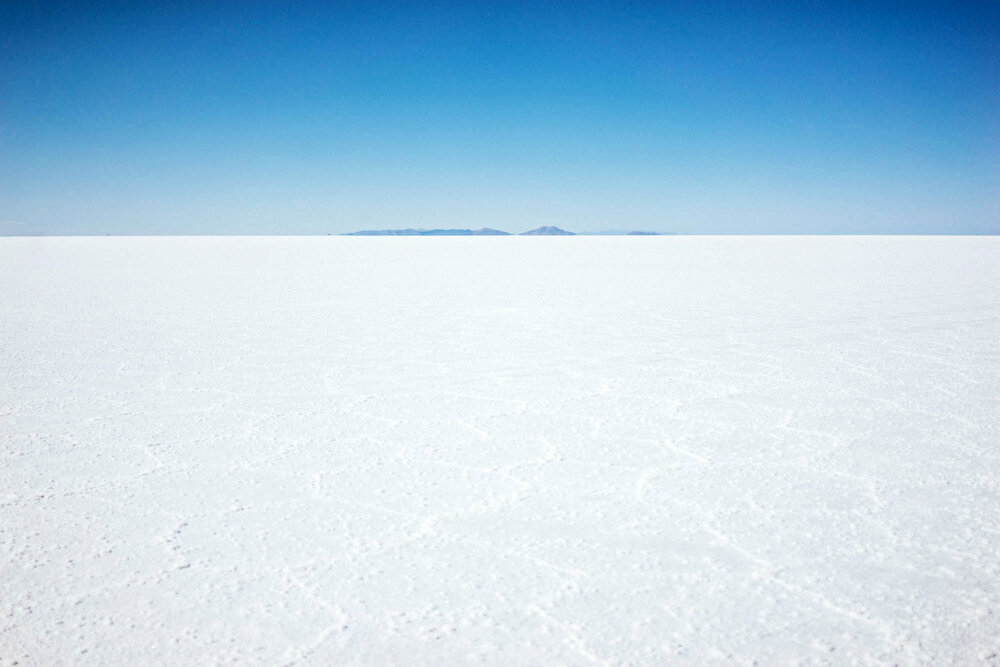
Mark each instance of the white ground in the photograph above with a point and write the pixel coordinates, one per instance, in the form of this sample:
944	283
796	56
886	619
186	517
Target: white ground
511	450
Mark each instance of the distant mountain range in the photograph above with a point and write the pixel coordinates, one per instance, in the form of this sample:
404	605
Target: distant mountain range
548	231
485	231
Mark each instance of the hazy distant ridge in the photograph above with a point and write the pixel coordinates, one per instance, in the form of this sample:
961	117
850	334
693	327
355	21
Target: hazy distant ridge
548	231
486	231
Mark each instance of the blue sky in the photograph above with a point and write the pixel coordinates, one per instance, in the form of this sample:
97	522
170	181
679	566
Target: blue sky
246	118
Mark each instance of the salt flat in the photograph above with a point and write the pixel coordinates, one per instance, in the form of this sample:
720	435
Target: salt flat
614	450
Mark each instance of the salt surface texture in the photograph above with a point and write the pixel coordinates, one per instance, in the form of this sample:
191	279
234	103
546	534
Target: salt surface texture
512	450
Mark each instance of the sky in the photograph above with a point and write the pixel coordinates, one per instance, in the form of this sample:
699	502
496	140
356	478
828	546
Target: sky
741	118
